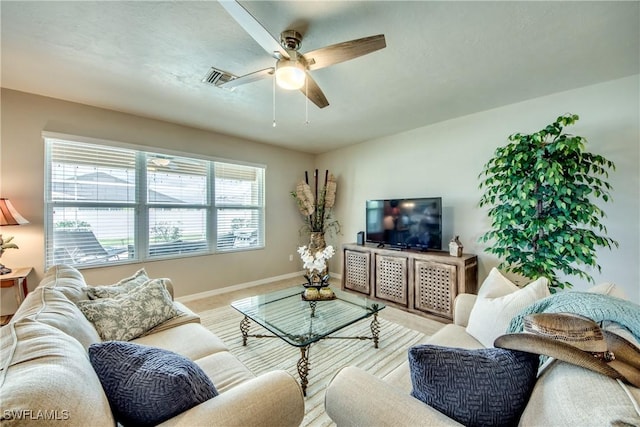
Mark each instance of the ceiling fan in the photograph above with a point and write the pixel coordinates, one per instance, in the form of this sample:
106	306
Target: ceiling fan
292	67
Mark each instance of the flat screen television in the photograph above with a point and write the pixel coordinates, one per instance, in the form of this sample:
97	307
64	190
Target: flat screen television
405	223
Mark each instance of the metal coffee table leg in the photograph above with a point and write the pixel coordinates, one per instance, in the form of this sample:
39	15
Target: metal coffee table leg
303	368
244	328
375	329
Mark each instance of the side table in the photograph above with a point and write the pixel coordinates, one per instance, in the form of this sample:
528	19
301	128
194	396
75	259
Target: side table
17	278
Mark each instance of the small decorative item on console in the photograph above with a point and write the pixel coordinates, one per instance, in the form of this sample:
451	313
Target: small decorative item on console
455	247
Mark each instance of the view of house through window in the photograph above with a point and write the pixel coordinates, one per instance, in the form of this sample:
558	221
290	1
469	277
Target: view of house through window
108	204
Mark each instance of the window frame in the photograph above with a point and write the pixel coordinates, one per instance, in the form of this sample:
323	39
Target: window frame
142	207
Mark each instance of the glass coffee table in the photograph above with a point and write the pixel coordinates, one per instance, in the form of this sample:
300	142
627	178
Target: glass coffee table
301	323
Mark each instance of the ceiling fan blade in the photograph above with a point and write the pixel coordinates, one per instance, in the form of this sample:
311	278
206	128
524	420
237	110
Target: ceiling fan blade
314	93
254	28
248	78
344	51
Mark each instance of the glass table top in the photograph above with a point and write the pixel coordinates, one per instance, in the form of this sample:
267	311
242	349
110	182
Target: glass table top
285	314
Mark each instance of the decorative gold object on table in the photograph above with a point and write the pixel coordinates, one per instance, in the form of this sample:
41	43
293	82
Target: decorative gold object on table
318	293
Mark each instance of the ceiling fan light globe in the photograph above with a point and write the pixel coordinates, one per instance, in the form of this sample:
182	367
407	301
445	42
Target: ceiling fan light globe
290	75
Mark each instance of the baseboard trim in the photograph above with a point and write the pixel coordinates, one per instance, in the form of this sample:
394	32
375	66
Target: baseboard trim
214	292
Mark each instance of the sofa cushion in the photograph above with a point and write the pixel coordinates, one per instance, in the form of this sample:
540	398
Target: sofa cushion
498	301
482	387
46	378
224	370
50	306
572	396
67	280
148	385
130	315
191	340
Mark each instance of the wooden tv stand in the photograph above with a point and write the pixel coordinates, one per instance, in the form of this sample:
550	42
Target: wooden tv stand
425	283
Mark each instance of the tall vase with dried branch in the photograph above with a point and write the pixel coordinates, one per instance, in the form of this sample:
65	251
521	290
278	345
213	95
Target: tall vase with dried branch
315	202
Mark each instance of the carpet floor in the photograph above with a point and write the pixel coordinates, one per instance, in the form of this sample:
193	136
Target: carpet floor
326	357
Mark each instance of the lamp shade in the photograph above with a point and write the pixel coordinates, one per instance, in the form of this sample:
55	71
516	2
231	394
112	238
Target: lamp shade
9	215
290	74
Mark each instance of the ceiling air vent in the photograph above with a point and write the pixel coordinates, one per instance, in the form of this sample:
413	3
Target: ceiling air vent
217	77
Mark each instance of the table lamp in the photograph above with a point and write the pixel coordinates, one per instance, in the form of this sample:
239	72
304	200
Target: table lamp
8	216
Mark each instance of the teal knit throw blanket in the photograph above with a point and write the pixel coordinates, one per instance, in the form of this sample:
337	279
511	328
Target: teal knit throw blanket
597	307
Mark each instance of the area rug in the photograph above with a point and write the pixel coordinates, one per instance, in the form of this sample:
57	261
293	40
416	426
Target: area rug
326	357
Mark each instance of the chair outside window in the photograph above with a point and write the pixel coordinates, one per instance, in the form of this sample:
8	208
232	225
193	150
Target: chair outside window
82	247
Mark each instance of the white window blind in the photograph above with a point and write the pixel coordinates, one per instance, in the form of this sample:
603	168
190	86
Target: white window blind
90	203
107	204
177	196
239	200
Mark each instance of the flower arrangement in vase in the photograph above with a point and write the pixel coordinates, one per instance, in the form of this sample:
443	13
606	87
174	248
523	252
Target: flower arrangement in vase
317	277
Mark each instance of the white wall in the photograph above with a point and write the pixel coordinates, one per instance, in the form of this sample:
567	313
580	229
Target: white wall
25	116
445	159
439	160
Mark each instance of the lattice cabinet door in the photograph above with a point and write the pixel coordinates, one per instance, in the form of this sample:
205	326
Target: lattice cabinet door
435	287
357	271
391	279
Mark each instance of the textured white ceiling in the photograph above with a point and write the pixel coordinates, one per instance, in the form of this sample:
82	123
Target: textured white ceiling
443	60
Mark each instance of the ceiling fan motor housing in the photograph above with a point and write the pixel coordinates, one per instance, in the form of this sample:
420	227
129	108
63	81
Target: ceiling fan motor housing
291	39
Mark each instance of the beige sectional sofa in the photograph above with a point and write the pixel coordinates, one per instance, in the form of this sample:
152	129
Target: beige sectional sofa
563	395
48	379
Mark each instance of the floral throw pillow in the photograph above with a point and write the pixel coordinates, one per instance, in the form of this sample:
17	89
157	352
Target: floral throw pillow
122	287
130	315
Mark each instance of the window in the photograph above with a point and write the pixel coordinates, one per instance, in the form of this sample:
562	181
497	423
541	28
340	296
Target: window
110	204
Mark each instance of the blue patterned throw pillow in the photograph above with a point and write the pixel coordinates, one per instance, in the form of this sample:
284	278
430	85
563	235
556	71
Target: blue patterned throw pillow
146	385
485	387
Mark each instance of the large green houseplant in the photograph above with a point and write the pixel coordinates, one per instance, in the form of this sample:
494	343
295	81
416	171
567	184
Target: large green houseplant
541	189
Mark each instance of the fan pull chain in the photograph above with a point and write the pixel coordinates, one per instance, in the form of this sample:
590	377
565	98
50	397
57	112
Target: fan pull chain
306	102
274	101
